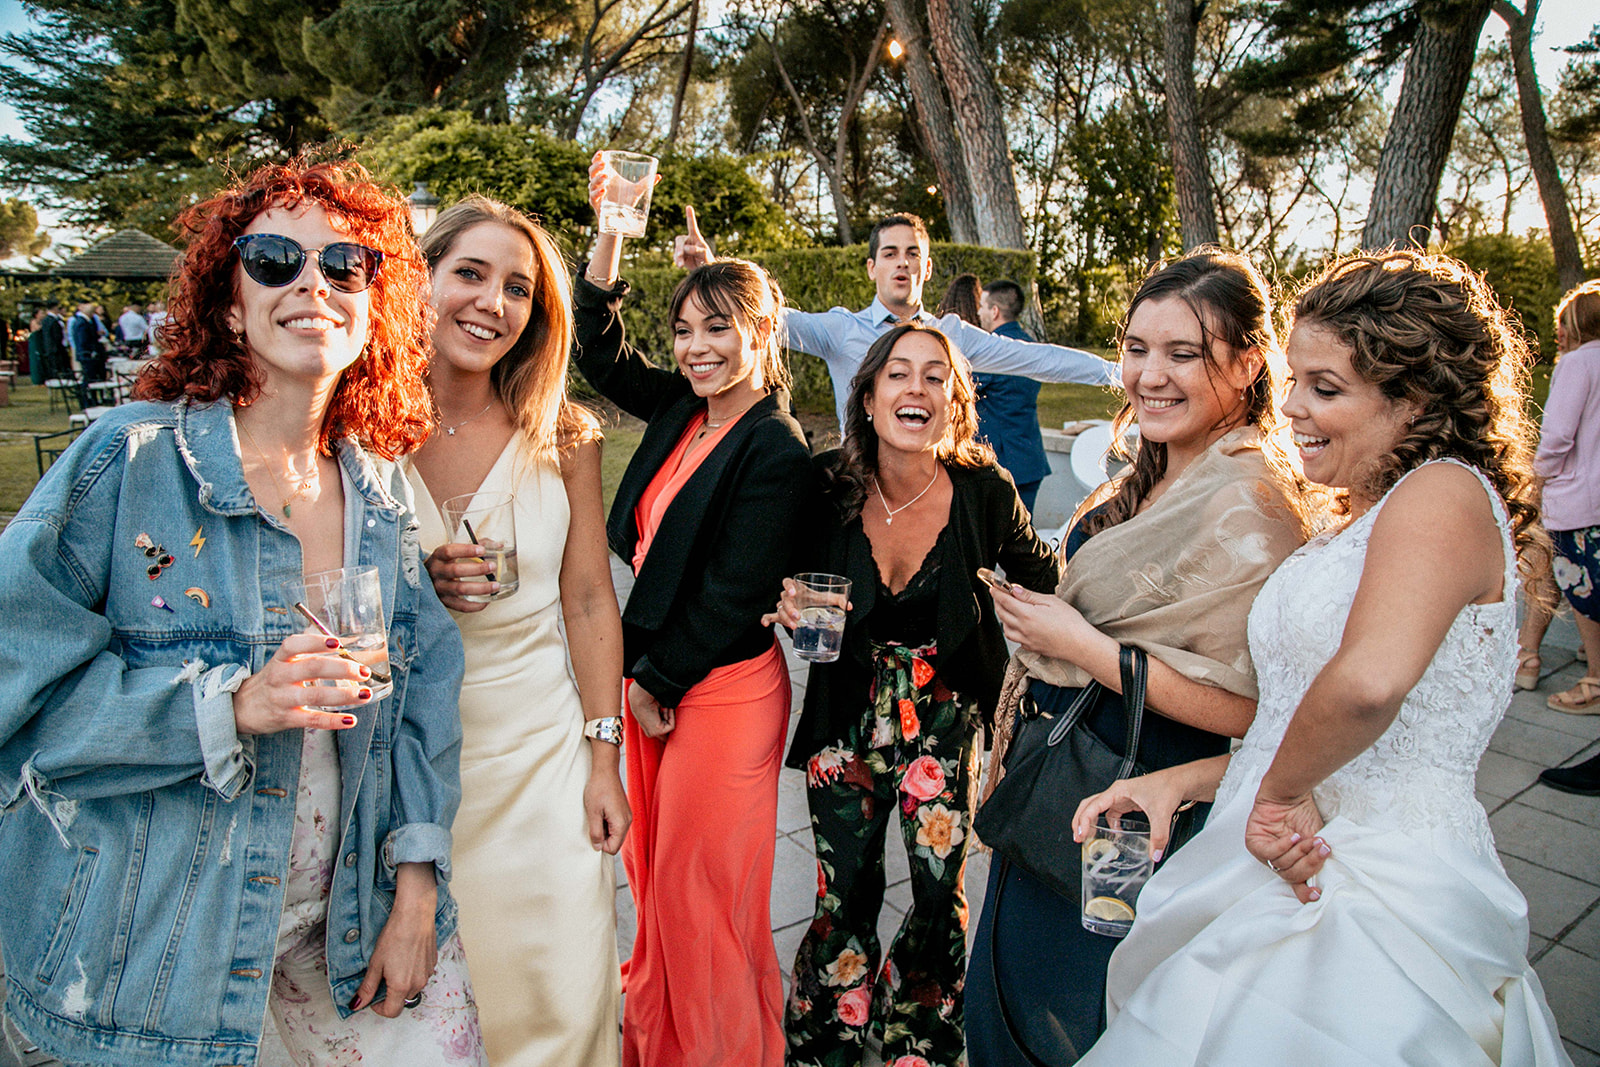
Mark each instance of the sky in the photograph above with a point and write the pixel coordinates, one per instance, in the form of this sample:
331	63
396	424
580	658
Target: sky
1561	22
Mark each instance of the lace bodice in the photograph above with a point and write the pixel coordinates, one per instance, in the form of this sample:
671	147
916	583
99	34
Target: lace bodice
1419	774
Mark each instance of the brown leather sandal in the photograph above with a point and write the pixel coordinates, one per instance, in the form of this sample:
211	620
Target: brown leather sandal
1527	669
1581	699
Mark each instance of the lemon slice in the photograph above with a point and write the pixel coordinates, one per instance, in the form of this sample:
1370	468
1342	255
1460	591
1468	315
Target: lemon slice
1109	909
1099	850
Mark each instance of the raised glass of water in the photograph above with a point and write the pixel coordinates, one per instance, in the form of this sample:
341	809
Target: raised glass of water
626	208
822	603
489	522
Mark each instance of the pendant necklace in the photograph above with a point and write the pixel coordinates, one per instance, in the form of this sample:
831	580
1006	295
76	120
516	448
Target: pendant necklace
890	513
450	431
284	501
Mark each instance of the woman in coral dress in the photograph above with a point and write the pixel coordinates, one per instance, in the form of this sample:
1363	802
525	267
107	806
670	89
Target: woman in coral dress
706	515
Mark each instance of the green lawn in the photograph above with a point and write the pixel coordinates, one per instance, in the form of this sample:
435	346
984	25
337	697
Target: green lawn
29	413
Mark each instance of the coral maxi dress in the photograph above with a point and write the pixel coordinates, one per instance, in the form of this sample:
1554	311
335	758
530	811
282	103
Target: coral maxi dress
703	984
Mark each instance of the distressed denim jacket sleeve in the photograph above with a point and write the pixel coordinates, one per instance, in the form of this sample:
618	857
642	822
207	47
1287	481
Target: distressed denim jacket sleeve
76	722
427	742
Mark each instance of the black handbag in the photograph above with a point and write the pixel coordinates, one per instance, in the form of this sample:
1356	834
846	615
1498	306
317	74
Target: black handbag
1052	764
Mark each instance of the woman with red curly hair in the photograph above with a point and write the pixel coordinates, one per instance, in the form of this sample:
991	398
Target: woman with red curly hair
200	844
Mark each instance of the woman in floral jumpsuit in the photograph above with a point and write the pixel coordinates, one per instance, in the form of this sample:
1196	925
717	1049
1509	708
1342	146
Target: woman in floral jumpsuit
917	506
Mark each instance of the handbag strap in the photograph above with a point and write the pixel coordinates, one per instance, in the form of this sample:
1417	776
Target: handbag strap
1080	704
1135	667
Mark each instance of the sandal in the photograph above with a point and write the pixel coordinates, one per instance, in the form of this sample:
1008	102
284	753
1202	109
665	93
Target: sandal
1527	669
1581	699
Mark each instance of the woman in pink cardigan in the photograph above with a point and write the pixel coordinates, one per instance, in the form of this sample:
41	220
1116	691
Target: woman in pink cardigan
1569	462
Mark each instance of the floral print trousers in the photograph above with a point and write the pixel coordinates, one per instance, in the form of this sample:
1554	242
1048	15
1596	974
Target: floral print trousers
912	750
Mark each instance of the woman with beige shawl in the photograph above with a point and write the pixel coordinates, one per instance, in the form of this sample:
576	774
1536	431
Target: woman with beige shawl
1168	558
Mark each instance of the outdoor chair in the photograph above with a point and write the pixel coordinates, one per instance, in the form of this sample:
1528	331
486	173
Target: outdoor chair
63	389
46	453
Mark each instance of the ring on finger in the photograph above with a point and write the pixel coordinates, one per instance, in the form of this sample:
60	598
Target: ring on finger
1273	867
414	999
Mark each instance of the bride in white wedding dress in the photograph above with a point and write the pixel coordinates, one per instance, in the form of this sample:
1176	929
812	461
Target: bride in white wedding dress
1389	933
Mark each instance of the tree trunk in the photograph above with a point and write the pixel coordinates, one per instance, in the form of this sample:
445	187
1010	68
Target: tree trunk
938	126
1191	169
980	119
1418	140
1535	132
683	74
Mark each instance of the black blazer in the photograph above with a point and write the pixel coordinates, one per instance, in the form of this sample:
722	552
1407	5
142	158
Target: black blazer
988	525
727	540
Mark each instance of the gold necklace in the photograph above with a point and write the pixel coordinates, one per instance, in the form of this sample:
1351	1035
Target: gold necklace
284	501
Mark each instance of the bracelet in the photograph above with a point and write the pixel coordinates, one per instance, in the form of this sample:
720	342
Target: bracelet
608	728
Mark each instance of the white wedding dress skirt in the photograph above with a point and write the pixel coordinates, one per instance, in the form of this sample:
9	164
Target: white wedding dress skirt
1416	953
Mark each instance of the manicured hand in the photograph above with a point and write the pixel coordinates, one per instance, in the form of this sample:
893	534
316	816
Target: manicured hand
691	250
1283	835
653	719
407	950
787	613
1040	622
459	571
274	698
606	806
1158	795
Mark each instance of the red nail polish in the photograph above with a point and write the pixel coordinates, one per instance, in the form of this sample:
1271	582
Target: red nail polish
349	720
332	642
365	694
365	673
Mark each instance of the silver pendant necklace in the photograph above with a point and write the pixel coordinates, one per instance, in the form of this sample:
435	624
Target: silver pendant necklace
450	431
890	513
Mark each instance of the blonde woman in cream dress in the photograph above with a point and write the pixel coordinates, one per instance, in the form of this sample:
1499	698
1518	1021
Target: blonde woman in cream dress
543	810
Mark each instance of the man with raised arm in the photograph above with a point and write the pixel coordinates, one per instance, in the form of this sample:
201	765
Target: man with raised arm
899	265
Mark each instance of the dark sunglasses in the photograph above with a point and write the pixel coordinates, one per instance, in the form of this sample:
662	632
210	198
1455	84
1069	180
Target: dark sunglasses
275	261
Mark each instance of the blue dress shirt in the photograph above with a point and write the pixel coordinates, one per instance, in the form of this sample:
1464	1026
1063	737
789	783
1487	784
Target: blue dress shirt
840	338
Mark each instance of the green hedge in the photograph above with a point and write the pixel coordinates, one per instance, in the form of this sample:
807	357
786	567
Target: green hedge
813	279
1522	271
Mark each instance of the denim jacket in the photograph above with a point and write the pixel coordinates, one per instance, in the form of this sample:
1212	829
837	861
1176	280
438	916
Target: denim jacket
144	844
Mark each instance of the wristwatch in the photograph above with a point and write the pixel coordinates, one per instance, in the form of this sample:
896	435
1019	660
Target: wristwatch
605	729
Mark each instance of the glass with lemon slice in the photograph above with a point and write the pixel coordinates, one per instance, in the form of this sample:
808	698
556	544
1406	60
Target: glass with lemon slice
1116	865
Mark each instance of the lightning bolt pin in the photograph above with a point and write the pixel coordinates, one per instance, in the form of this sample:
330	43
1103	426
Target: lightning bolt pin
198	541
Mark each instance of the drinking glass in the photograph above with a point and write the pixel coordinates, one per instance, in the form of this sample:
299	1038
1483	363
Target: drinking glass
821	600
489	521
348	605
626	207
1116	865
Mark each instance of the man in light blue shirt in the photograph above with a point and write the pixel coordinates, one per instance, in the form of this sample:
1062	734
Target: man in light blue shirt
899	265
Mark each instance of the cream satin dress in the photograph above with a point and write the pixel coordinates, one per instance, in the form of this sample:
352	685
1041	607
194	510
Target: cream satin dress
538	917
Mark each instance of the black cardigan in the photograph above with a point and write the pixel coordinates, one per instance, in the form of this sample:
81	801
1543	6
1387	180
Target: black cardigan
988	526
726	541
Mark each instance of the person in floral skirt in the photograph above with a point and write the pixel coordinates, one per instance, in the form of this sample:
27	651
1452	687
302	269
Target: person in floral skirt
917	506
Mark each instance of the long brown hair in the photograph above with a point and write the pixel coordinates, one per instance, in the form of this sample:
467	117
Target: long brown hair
1425	329
1579	313
1233	304
961	446
531	378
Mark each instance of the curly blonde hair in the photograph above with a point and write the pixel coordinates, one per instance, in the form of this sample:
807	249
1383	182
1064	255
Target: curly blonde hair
1427	330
